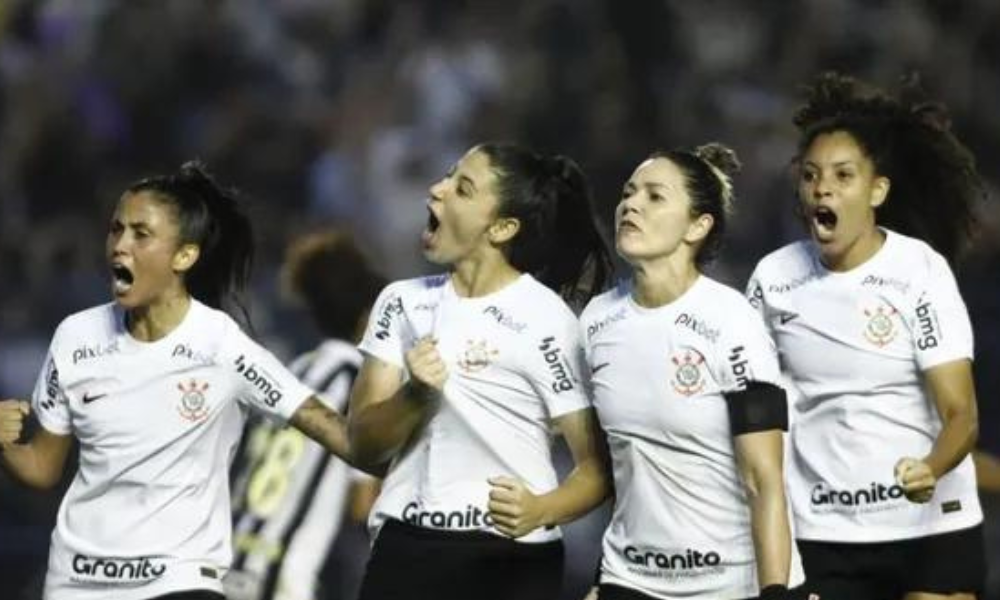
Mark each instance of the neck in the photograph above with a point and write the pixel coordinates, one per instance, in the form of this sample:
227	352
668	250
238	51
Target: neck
862	249
482	276
659	282
156	321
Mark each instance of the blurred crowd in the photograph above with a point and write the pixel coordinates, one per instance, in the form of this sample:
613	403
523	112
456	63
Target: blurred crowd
344	111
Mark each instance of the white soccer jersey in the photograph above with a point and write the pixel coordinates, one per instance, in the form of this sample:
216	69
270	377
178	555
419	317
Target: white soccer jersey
290	494
855	344
681	522
157	423
515	362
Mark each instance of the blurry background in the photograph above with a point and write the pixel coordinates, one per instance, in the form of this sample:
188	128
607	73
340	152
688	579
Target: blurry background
346	110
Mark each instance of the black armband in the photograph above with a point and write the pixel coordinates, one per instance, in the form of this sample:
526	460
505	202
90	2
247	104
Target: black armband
775	591
760	406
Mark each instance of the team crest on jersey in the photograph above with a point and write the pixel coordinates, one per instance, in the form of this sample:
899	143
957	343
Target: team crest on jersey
688	378
477	356
880	329
193	405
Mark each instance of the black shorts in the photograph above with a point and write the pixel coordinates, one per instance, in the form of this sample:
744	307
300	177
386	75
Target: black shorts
947	563
416	563
192	595
608	591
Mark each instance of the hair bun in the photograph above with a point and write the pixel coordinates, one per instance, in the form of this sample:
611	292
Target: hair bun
720	157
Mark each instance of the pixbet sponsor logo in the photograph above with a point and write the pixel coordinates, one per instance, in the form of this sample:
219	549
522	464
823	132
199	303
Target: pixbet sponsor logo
879	281
259	379
876	493
185	351
557	365
87	352
471	518
123	570
504	319
595	327
698	326
688	559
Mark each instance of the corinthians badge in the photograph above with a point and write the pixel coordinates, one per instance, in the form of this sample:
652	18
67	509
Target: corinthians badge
193	406
477	356
688	379
880	329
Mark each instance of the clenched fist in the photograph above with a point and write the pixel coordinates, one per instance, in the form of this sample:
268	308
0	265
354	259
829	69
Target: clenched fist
12	416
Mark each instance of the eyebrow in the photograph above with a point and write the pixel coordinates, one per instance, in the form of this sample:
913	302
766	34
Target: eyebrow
840	163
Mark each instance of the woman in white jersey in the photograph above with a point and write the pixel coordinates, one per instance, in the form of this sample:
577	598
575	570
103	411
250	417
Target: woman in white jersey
686	385
465	376
154	388
870	327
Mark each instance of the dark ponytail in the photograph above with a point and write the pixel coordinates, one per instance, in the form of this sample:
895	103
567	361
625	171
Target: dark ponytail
209	216
558	242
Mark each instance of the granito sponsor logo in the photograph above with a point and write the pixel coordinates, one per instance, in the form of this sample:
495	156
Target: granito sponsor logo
504	319
686	562
928	330
739	366
184	351
87	352
879	281
875	497
260	380
557	365
117	570
596	326
471	518
698	326
393	306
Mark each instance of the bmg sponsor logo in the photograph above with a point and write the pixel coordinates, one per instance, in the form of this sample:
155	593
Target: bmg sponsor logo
471	518
685	560
866	499
51	386
117	570
557	365
393	306
927	325
738	364
87	352
260	380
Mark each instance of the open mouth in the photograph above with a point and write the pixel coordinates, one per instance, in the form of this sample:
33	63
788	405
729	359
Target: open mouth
824	220
121	278
433	223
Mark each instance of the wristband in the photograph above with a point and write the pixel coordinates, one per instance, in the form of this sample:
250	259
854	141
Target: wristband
775	591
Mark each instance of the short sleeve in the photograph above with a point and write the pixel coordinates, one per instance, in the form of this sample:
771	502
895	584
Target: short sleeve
263	382
385	337
48	400
755	296
939	320
558	370
750	354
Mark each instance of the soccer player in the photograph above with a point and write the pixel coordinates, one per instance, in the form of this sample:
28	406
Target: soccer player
686	386
290	496
154	387
465	375
870	327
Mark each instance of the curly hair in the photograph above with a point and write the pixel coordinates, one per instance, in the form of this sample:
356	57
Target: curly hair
934	182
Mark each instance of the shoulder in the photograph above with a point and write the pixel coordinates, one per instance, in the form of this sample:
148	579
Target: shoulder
91	326
543	305
787	260
722	300
605	304
913	255
416	287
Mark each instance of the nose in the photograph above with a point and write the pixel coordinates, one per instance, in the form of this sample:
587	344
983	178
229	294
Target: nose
437	190
821	185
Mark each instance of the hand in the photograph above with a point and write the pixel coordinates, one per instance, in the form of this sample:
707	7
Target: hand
12	415
514	509
427	369
916	479
592	594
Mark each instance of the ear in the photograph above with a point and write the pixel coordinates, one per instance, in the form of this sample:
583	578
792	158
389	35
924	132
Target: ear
503	230
699	228
185	257
880	191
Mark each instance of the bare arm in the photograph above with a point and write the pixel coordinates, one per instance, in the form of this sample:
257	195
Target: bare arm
952	388
324	425
516	511
38	463
987	471
384	411
759	458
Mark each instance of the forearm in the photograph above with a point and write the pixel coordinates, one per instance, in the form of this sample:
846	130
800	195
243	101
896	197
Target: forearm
954	442
379	430
580	492
27	464
771	533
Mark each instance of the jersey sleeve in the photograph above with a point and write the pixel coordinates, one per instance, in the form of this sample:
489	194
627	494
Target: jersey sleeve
558	369
939	319
48	401
386	337
755	297
750	354
264	383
